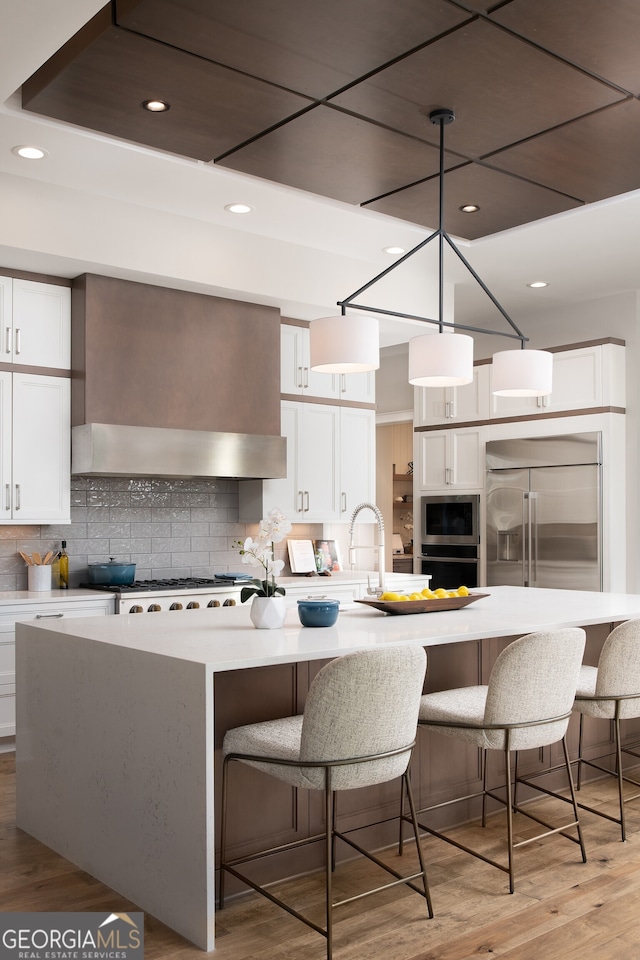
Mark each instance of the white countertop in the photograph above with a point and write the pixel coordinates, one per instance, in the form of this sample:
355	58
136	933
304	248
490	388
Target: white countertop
43	597
224	638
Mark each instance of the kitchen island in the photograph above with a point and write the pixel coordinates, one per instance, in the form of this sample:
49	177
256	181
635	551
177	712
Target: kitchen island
119	719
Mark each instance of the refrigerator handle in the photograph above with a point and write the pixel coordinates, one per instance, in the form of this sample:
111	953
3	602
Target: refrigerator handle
529	522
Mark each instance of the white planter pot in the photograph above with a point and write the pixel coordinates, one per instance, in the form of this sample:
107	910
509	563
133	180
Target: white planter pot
268	613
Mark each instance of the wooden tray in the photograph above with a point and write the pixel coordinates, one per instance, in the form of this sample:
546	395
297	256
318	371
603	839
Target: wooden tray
423	606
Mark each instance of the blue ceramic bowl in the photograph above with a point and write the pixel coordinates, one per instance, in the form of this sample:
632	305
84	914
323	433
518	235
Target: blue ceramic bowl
318	612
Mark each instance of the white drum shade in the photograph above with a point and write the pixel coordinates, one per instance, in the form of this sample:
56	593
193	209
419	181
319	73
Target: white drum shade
441	360
344	344
522	373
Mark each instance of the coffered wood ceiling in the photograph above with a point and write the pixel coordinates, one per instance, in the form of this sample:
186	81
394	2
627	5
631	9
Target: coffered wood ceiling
333	97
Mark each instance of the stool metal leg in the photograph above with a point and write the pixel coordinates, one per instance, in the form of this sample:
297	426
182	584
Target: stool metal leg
623	827
329	809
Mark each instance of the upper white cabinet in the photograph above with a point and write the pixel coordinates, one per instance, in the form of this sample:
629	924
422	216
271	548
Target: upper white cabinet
34	448
357	459
589	377
449	459
297	377
36	323
446	405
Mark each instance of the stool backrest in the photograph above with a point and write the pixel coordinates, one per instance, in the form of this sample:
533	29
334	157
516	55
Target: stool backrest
619	667
534	679
362	704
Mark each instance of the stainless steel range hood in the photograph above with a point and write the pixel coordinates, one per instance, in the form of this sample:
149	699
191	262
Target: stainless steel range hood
109	450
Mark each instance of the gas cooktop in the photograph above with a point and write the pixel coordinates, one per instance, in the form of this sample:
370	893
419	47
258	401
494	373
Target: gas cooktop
149	586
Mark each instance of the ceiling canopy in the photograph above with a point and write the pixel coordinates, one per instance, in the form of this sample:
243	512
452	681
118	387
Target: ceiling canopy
333	97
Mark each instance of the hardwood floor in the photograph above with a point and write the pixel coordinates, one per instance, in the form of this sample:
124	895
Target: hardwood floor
562	908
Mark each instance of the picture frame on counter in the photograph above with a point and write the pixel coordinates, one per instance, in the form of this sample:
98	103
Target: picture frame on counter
327	554
302	558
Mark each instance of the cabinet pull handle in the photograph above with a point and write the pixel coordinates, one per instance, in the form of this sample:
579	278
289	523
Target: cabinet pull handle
18	339
446	409
49	616
7	496
343	382
306	377
300	384
344	502
301	499
452	409
17	496
7	343
306	500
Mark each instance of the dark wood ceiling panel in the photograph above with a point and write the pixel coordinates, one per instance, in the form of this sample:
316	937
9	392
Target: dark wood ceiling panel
103	86
593	158
475	71
504	202
602	38
336	155
312	47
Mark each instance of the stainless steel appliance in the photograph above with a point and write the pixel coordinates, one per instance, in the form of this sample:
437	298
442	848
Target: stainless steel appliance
451	519
156	596
450	527
543	509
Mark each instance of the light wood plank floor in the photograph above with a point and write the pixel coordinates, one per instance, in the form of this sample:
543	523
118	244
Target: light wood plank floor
562	909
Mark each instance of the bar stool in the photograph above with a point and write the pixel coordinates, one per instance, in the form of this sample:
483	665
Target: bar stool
526	704
611	691
358	729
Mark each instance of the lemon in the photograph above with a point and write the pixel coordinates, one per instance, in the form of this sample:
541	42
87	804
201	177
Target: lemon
416	596
462	591
452	593
427	594
440	593
390	596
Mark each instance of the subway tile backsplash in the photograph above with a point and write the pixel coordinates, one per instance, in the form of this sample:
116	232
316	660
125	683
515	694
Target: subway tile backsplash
168	528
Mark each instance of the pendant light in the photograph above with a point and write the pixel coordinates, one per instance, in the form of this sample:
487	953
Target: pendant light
343	344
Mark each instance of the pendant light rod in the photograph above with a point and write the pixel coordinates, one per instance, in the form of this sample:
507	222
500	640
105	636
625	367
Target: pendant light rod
441	117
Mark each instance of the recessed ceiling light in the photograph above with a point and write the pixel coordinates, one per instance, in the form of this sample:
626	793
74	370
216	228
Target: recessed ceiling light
470	208
238	208
538	283
392	251
155	106
29	153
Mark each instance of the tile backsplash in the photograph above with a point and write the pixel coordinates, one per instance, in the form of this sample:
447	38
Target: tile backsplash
168	528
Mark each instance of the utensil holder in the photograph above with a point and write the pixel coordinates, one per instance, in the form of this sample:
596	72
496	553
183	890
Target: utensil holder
39	577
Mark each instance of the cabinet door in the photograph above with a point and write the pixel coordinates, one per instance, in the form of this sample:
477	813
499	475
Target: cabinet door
466	459
357	459
432	456
41	449
41	324
318	451
6	318
6	419
357	386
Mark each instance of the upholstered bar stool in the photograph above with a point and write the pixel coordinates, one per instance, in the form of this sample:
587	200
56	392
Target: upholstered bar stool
358	729
611	691
526	704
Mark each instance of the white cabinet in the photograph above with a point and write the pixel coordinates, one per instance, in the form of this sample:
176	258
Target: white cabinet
34	448
330	465
445	405
36	323
448	459
585	378
309	493
357	459
38	611
297	377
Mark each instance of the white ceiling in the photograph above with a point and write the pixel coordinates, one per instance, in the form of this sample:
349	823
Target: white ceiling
319	250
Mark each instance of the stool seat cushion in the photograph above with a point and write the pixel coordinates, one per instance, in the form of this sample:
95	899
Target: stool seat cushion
463	705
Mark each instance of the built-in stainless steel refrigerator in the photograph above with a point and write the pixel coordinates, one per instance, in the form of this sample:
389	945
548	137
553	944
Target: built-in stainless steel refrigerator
543	512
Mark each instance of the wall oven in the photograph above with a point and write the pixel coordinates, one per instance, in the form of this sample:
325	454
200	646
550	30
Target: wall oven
450	528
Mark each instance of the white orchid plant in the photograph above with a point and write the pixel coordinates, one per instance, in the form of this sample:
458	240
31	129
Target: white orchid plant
273	528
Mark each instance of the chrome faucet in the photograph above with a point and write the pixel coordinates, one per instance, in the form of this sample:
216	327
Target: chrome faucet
380	545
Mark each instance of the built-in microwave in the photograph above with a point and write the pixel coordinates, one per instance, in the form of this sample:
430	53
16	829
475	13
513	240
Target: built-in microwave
451	519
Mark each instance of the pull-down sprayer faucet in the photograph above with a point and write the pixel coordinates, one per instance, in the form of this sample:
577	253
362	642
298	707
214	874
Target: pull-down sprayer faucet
380	544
